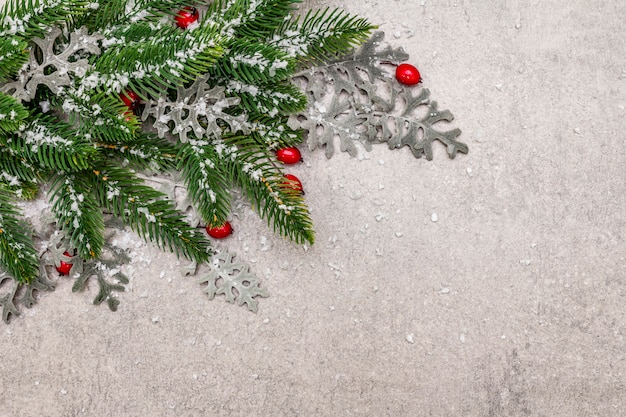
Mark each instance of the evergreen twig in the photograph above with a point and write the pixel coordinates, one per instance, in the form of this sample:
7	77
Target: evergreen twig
222	85
17	253
148	213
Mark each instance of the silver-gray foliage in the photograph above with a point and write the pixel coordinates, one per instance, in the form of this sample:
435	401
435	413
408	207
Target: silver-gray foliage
196	109
106	270
51	62
13	293
354	100
233	279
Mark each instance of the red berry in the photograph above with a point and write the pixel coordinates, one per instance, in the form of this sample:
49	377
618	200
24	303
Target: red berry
289	156
128	116
407	74
220	232
64	267
294	183
186	17
131	99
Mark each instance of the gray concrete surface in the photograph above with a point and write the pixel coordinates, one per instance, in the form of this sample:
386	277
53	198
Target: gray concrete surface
511	304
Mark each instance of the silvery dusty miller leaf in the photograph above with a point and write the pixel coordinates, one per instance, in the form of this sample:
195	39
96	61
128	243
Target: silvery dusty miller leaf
233	279
67	61
356	101
196	110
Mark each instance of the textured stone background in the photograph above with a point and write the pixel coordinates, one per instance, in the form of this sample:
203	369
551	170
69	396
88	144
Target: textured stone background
511	304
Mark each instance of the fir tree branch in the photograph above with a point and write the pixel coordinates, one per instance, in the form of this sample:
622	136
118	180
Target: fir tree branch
278	201
12	113
24	190
148	213
150	61
112	13
321	36
13	54
251	18
107	13
227	12
273	133
267	98
52	144
253	63
206	185
78	214
30	18
17	252
99	117
146	152
14	169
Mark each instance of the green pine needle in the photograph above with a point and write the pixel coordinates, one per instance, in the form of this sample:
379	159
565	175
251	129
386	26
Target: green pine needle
24	190
321	35
148	213
264	184
207	186
146	152
30	18
14	53
273	133
100	117
154	60
253	19
15	169
254	63
17	252
12	114
111	13
78	213
52	144
268	98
